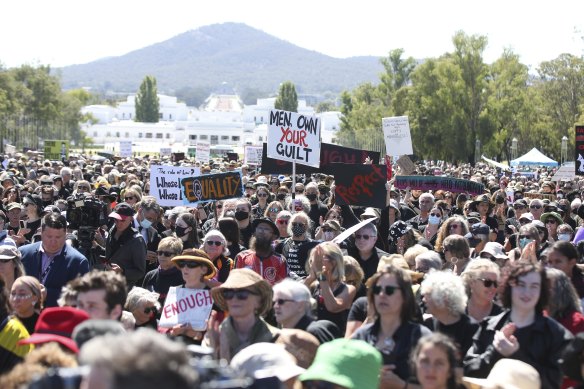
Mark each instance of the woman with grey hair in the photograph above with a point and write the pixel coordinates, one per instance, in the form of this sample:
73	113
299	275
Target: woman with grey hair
297	248
215	245
481	280
144	305
445	300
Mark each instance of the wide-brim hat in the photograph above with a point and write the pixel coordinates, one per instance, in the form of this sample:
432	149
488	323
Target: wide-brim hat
507	373
554	215
197	255
243	279
268	221
482	199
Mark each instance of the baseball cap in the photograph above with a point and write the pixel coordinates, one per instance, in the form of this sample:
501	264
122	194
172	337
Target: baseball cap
478	229
122	211
13	205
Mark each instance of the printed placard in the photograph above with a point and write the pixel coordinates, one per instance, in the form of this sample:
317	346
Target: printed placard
203	151
396	132
165	151
56	150
455	185
294	137
209	187
252	155
165	183
579	151
125	148
186	306
360	184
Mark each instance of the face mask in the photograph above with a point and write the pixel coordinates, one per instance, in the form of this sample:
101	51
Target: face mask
47	202
180	231
473	242
241	215
145	223
298	230
311	197
434	219
524	242
560	196
564	237
281	196
328	236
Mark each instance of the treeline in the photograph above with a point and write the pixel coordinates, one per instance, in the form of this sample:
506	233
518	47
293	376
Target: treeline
453	100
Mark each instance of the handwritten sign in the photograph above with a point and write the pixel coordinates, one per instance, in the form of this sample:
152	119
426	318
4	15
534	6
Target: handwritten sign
396	132
252	155
360	184
329	154
165	183
165	151
212	187
125	148
56	150
455	185
294	137
203	151
565	172
186	306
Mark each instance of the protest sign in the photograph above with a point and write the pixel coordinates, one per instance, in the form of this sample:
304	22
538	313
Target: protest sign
396	132
329	154
294	137
579	151
406	165
388	167
212	187
125	148
541	196
165	151
203	150
56	150
455	185
252	155
350	231
165	183
186	306
360	184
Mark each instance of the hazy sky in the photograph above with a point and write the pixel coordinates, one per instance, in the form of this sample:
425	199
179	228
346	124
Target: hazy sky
65	32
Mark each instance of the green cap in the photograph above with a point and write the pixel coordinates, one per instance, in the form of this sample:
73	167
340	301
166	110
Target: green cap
350	363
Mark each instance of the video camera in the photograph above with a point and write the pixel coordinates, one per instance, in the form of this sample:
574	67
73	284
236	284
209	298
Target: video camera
85	212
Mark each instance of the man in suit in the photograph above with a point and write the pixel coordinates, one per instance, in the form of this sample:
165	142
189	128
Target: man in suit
51	261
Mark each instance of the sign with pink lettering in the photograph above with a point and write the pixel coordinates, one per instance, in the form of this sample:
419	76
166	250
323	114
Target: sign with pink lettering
186	306
294	137
362	185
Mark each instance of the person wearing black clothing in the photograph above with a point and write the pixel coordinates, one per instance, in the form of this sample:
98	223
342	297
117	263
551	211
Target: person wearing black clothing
297	249
317	209
243	217
166	275
364	250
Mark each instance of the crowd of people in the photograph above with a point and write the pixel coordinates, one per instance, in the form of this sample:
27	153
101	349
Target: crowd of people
438	289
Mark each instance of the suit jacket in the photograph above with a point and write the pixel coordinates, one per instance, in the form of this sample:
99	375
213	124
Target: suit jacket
66	266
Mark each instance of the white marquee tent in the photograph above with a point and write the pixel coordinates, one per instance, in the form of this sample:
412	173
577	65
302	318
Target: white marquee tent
534	157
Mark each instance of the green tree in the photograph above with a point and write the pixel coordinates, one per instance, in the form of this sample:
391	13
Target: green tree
287	99
147	104
396	75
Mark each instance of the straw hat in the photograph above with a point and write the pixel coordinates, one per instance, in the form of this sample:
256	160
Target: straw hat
245	279
196	255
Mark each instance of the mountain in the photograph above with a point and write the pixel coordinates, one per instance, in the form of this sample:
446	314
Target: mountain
246	58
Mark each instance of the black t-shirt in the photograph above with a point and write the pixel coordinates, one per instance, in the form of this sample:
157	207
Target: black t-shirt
358	310
296	254
461	332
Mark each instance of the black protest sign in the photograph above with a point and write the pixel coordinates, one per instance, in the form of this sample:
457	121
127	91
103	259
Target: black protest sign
212	187
579	152
455	185
362	185
329	154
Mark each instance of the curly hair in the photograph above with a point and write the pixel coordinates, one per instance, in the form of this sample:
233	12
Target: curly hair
444	231
446	290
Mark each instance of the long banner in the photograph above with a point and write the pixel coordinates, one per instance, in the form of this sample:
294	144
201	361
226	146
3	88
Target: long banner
362	185
435	183
212	187
329	154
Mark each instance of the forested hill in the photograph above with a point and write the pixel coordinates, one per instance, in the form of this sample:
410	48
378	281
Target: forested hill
246	58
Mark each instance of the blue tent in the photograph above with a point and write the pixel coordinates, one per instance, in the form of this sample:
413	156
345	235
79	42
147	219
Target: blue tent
534	157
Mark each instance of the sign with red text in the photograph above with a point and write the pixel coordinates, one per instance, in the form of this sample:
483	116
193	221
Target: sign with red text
165	183
579	152
362	185
294	137
186	306
396	132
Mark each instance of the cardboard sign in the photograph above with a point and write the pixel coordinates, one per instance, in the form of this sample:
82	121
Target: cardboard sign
125	148
329	154
565	172
252	155
396	132
541	196
165	183
212	187
406	165
203	150
294	137
186	306
165	151
455	185
56	150
360	184
579	152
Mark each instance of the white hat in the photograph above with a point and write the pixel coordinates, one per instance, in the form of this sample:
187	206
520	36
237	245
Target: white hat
507	374
261	360
495	249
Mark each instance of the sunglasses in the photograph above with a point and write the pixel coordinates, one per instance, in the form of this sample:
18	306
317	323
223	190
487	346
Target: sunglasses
364	237
551	221
219	206
149	310
262	195
518	206
83	188
129	198
162	253
488	283
534	206
240	294
327	230
281	301
453	226
299	191
274	210
388	290
298	224
214	242
282	221
435	214
189	264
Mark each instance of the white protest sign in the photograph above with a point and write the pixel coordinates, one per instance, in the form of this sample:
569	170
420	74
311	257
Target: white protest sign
252	155
165	183
165	151
396	132
294	137
566	172
125	148
186	306
203	151
349	231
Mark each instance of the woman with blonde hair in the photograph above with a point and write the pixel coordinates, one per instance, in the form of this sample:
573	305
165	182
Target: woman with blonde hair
481	280
26	299
354	275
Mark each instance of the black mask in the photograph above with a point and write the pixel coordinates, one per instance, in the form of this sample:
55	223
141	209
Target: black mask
473	242
281	196
241	215
311	197
47	202
180	231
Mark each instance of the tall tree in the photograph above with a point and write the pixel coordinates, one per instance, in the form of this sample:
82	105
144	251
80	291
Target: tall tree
287	99
147	104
